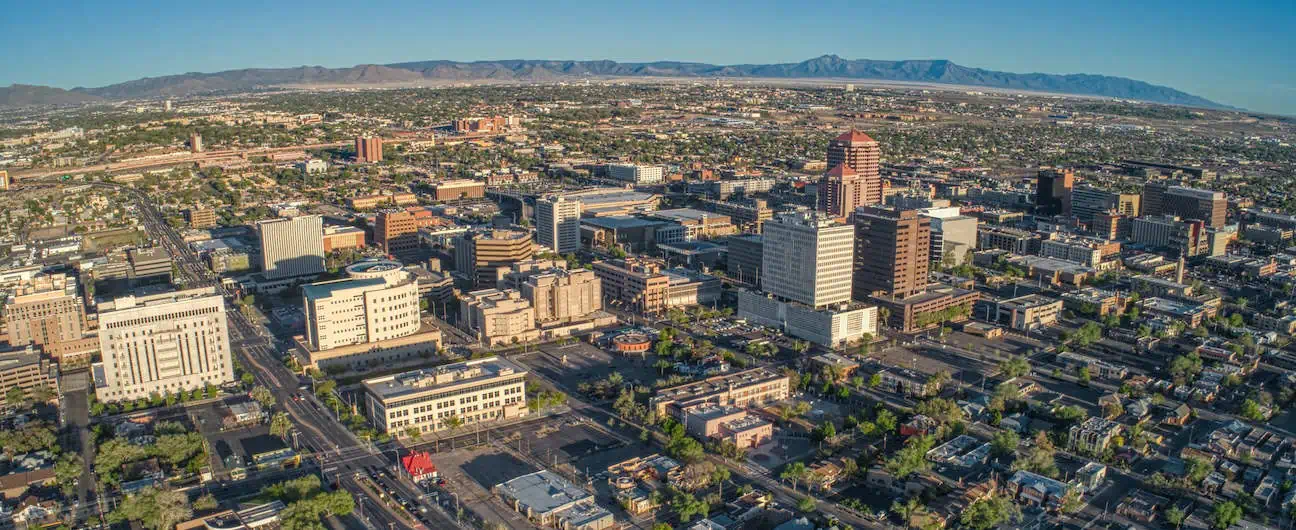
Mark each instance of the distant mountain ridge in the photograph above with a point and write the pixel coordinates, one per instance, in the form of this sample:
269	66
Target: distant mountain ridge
826	66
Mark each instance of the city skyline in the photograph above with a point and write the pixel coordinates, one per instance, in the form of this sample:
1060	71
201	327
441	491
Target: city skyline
1232	56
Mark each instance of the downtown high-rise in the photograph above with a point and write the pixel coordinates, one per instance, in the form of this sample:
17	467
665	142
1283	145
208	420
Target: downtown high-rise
853	178
558	223
808	258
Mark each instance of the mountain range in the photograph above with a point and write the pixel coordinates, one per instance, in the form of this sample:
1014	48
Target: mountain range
521	70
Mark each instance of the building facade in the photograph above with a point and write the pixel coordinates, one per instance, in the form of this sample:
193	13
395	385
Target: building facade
48	312
892	250
378	302
291	247
863	155
808	258
486	256
448	396
369	149
396	232
636	174
1053	191
169	342
558	223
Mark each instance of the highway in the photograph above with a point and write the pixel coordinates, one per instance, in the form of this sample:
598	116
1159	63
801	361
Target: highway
340	454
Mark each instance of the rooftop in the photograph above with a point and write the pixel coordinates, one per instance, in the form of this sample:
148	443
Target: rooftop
543	492
621	222
451	374
317	291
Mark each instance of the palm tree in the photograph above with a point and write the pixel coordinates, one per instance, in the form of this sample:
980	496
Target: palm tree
908	510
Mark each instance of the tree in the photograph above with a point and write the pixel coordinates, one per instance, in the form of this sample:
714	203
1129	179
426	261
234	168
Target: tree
988	513
263	396
1082	376
794	473
280	424
205	502
155	509
1004	443
67	471
1015	367
908	509
911	458
1226	514
1251	410
1039	458
807	505
1175	516
15	396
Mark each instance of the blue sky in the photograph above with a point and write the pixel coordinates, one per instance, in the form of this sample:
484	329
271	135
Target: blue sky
1239	53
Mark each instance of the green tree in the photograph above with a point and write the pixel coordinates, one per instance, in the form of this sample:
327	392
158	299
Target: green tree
1015	367
280	424
1004	443
1040	458
263	396
908	510
1225	514
205	502
911	458
67	471
794	473
15	396
987	513
154	509
1175	516
807	505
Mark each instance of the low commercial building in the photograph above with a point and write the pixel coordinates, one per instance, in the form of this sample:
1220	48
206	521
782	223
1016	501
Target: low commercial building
727	423
605	202
200	218
343	237
1029	312
1096	367
830	327
929	309
422	344
552	501
631	234
1190	313
748	214
1093	436
635	283
450	190
739	389
1092	301
699	224
686	288
370	202
28	370
433	399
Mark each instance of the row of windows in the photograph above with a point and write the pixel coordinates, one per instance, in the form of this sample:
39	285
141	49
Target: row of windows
165	318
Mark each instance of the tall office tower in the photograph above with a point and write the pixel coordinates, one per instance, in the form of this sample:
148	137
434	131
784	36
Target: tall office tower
1088	202
169	342
368	149
808	258
396	232
47	311
892	250
486	256
291	246
195	143
1053	191
379	301
1210	207
840	191
558	223
863	154
1153	198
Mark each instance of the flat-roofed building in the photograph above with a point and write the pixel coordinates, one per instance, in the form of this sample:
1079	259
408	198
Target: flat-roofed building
28	370
744	258
808	258
370	202
757	386
48	311
1029	312
498	317
378	302
291	247
486	256
1093	436
169	342
832	326
637	174
450	190
558	223
604	202
552	501
685	288
1092	301
928	309
343	237
396	232
634	282
425	400
700	224
749	215
199	218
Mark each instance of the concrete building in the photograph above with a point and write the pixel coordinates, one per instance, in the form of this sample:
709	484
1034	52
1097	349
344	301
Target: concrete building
758	386
859	181
1010	239
1096	253
951	234
426	400
48	312
1187	237
727	424
744	258
891	252
635	283
27	369
631	234
1053	191
723	189
1088	202
1210	207
636	174
393	199
149	266
379	301
560	295
1092	302
498	317
686	288
1030	312
485	256
343	237
604	202
832	327
928	309
450	190
699	224
552	501
369	149
313	166
200	218
558	223
396	232
195	143
291	247
749	215
808	258
168	342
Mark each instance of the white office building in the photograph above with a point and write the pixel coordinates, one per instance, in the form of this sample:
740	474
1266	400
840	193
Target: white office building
291	246
558	223
378	302
808	258
639	175
162	343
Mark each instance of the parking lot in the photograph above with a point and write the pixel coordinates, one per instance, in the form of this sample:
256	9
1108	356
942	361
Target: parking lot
587	362
470	474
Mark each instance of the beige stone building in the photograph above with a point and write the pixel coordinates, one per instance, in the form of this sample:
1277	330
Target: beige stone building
49	312
560	295
739	389
28	370
498	317
162	343
425	400
487	256
378	302
636	283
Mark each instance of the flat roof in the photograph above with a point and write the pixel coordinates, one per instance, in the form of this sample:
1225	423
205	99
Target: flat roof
543	491
424	379
621	222
316	291
689	214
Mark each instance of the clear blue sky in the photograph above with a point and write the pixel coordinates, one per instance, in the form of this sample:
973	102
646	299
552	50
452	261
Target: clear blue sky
1241	53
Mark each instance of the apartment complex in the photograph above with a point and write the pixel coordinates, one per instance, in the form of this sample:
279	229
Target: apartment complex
449	190
291	246
369	149
396	232
636	174
757	386
558	223
162	343
808	258
891	252
486	256
378	302
48	312
1093	435
434	399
